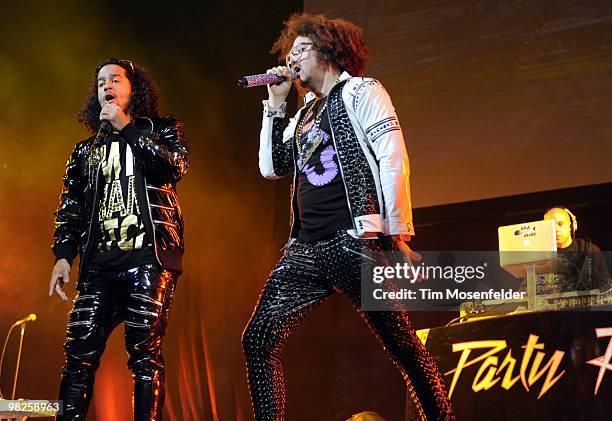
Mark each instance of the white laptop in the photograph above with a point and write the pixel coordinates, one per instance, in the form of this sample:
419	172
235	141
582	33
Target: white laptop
526	244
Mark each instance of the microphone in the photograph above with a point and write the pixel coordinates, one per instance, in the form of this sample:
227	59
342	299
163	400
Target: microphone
264	79
104	129
30	318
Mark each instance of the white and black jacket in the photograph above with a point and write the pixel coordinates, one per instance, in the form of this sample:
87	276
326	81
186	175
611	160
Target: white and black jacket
371	152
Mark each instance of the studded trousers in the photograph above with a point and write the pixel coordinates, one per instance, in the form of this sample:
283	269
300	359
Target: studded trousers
304	277
141	297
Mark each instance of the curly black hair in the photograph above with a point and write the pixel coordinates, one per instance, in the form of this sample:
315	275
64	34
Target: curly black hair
144	101
338	42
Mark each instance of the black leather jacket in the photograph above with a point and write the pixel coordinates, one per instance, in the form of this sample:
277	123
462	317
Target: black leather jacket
162	156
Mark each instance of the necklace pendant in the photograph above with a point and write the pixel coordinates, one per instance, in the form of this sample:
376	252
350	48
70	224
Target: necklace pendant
313	135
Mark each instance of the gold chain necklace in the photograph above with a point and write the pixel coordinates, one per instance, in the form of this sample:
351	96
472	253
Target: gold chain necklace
298	130
306	154
316	125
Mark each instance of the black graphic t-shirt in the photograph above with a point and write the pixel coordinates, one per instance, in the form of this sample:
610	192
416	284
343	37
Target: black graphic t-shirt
321	196
121	241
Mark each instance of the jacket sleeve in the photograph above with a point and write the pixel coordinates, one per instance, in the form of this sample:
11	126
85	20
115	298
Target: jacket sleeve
275	143
164	151
69	217
377	116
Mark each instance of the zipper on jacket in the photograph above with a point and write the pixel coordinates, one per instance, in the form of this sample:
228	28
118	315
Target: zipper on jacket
292	198
144	178
168	208
295	175
331	129
146	189
91	219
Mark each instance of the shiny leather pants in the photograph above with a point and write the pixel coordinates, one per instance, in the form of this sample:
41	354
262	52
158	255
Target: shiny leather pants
141	297
304	277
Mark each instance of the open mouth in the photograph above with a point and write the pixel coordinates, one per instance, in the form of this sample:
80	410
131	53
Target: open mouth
109	97
297	69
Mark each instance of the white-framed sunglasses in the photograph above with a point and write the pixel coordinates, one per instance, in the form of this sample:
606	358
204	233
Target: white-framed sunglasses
297	50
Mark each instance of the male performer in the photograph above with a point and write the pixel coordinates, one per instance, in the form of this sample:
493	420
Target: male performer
351	195
119	209
582	265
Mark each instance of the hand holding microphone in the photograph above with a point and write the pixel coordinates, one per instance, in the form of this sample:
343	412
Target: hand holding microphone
113	115
277	94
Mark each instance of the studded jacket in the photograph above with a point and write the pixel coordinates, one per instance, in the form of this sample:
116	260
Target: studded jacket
371	152
162	156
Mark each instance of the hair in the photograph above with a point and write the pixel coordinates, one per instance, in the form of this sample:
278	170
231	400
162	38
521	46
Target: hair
144	99
338	42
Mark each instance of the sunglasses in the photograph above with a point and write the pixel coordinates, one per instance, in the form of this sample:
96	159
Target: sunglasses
129	63
126	64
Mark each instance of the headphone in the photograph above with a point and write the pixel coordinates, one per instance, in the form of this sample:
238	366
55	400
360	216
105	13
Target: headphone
573	219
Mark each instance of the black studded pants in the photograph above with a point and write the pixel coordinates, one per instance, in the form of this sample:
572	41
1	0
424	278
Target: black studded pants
141	297
304	277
